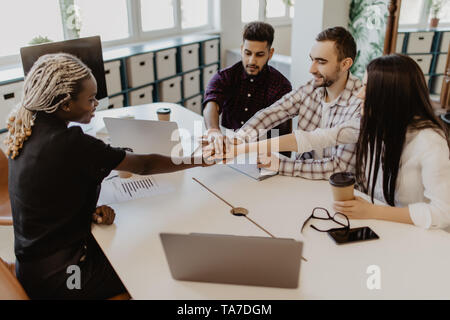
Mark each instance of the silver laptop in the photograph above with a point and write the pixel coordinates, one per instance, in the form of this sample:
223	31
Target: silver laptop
246	164
253	171
143	136
256	261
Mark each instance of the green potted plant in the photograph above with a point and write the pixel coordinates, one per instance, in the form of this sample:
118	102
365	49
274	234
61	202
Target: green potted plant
289	3
39	39
435	7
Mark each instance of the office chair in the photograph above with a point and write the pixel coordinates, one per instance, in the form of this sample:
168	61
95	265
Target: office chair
10	288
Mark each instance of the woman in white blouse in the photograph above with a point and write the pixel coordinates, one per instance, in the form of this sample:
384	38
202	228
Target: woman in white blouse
402	150
403	155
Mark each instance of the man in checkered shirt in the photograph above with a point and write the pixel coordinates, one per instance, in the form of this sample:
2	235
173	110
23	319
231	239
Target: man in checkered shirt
327	101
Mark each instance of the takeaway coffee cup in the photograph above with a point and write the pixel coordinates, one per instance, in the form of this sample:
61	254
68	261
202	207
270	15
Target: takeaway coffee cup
125	174
342	185
163	114
126	116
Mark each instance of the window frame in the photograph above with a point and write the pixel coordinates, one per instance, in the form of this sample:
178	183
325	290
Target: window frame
423	20
285	20
277	21
136	34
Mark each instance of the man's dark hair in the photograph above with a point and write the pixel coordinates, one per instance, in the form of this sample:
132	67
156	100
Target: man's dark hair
258	31
343	41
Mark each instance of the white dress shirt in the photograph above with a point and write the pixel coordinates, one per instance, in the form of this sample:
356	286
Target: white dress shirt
318	153
423	181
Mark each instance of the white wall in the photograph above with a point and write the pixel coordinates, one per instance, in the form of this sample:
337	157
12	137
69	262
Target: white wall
282	40
231	26
336	13
311	17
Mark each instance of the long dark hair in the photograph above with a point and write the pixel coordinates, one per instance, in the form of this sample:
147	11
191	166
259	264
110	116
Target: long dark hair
397	99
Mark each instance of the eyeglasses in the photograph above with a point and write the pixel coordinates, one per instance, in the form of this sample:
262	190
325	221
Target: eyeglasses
323	214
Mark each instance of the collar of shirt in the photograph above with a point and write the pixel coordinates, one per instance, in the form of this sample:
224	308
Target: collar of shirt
51	119
348	95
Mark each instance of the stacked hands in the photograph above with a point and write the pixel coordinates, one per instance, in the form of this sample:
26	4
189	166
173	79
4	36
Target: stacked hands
219	148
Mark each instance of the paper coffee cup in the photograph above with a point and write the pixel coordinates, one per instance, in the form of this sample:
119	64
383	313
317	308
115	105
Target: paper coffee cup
163	114
125	174
126	116
342	185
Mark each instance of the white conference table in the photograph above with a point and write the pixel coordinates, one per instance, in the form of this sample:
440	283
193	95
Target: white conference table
413	263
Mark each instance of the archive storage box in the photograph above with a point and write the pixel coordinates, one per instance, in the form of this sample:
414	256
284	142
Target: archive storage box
191	83
441	61
140	70
112	76
170	90
399	44
427	80
437	85
208	73
189	57
10	96
166	65
141	96
116	102
424	61
420	42
210	51
445	40
194	104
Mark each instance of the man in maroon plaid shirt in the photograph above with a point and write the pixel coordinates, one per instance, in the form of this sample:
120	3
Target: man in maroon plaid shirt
328	101
239	91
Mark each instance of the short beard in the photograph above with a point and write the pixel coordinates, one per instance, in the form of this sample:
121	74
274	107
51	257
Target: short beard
328	82
325	84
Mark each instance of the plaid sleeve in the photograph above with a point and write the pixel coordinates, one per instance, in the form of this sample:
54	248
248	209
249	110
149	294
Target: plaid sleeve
343	158
284	109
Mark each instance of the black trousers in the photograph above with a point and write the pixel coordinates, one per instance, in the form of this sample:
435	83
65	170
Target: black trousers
79	272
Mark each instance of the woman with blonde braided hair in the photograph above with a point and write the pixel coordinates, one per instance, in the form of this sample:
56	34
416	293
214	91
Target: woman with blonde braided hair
43	92
55	174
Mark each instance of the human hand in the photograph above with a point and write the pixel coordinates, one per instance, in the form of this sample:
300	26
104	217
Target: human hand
216	140
356	209
269	162
231	149
207	154
103	215
221	147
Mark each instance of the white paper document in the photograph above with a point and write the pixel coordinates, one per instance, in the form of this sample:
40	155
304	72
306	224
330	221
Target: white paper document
115	189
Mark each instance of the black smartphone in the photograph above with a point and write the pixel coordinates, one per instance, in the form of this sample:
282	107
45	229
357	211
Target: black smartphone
343	236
